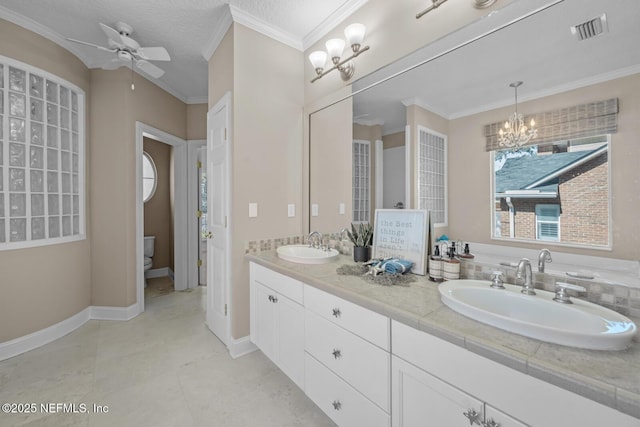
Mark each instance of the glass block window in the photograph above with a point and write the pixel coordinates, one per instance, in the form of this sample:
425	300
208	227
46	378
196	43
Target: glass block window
432	175
361	181
41	158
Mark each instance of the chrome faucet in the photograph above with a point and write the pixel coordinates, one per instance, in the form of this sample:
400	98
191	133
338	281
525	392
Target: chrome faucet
524	268
318	237
544	256
344	232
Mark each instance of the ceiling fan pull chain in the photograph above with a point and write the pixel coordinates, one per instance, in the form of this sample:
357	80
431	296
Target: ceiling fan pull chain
133	87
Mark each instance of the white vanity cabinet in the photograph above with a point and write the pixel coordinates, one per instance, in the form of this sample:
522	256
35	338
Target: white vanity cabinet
347	371
434	382
277	320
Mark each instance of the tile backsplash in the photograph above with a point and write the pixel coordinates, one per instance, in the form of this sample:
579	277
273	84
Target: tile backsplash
345	247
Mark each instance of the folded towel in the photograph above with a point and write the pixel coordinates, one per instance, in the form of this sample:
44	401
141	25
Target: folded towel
397	266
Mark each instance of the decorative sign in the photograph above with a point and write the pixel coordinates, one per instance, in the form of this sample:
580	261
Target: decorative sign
401	233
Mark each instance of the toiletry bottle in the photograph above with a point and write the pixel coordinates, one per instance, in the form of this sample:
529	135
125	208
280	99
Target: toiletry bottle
435	266
451	266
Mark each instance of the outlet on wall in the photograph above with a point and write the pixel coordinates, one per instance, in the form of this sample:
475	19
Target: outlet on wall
341	208
253	210
291	210
314	209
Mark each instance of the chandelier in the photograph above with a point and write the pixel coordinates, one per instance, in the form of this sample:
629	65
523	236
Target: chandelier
515	133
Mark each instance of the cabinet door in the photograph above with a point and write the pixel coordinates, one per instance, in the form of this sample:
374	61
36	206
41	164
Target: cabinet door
420	399
290	332
495	418
264	333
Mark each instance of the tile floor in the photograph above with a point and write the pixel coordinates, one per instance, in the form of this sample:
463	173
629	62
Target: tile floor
162	368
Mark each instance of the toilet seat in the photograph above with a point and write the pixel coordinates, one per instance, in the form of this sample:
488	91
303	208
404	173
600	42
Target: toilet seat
147	261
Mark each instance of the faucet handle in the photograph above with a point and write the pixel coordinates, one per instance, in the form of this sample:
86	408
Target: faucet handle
561	292
496	281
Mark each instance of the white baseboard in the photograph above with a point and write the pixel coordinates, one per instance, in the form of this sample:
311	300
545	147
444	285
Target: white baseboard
114	313
159	272
241	347
44	336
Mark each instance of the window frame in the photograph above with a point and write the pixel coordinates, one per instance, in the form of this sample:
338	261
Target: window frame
538	208
444	173
364	213
76	190
148	156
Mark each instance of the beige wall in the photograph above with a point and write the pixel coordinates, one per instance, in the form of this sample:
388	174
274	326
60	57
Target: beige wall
470	192
115	109
394	140
42	286
197	121
221	69
158	220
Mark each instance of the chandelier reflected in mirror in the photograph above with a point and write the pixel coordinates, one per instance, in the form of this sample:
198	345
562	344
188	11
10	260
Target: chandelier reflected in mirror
514	132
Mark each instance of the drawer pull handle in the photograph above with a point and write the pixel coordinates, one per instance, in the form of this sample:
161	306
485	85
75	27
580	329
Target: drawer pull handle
336	354
490	423
273	299
336	312
337	405
473	416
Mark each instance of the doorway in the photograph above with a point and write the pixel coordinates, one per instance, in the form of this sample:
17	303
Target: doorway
180	247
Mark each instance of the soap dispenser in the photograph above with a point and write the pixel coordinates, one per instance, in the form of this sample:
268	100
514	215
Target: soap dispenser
451	266
435	266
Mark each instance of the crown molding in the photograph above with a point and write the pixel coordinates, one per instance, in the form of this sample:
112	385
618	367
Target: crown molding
263	27
369	122
197	100
420	103
222	25
577	84
331	22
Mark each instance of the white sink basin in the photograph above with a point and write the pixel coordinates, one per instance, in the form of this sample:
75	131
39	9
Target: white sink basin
303	254
581	324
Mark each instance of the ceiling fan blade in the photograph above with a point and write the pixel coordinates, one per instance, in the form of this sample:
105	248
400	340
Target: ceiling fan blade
149	68
154	53
114	64
106	49
112	34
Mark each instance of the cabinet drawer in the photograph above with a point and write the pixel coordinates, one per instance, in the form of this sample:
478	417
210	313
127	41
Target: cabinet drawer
284	285
341	402
358	362
363	322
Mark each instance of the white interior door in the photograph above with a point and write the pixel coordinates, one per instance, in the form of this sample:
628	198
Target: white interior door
217	211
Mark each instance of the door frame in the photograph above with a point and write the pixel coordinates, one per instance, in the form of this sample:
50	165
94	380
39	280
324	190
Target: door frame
180	208
193	184
224	101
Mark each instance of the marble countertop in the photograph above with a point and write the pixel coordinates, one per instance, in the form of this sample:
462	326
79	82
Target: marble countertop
611	378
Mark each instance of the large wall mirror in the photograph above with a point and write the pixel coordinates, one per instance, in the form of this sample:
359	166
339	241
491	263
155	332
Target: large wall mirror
420	124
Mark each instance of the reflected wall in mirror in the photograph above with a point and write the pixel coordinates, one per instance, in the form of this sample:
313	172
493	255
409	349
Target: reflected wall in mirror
459	93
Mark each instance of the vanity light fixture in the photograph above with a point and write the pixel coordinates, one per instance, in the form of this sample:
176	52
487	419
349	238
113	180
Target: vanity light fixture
515	133
354	34
479	4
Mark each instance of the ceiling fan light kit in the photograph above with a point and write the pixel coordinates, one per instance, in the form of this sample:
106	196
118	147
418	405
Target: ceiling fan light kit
128	51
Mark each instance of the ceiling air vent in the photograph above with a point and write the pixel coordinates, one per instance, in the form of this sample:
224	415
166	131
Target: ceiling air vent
591	28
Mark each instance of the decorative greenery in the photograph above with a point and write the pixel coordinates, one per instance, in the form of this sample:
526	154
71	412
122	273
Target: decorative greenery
361	236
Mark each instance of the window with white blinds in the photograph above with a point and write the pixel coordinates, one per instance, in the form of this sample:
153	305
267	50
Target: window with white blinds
432	175
41	158
548	222
361	181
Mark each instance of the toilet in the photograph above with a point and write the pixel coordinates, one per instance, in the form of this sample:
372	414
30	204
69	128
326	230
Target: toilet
149	243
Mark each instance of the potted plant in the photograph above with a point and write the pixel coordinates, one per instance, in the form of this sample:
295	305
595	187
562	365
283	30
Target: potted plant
361	237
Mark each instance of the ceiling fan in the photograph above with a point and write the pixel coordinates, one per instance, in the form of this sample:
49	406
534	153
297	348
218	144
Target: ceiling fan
128	50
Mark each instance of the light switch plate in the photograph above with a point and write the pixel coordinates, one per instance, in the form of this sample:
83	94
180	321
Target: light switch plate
291	210
341	208
253	210
314	209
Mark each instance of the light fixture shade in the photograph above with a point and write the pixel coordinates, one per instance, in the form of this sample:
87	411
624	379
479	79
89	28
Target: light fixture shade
335	48
318	59
355	34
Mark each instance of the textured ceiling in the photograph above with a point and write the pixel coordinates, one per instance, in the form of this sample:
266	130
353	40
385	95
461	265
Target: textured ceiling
183	27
